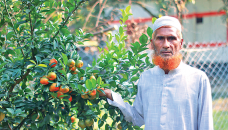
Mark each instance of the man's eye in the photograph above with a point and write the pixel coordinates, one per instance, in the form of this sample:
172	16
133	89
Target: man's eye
172	38
160	38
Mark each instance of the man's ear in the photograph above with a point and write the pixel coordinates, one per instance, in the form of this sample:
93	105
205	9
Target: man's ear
181	43
152	44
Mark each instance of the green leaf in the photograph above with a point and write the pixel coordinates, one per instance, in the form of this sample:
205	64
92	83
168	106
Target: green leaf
53	94
134	49
125	75
42	65
64	31
18	111
80	43
153	20
117	38
143	39
30	66
80	87
1	70
3	64
27	11
147	60
65	59
99	80
143	55
2	95
128	8
121	30
95	71
112	83
38	23
134	78
10	110
142	49
100	123
93	81
149	32
89	84
33	61
94	62
9	35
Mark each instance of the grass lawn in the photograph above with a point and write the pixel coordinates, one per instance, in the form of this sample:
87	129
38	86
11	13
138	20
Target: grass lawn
220	114
220	120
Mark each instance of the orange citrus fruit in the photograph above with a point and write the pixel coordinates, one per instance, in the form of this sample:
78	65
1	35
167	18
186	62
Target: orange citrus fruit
79	63
70	63
51	76
88	122
73	119
2	116
44	80
119	126
53	62
70	99
92	93
59	93
92	77
81	124
74	72
84	96
65	89
72	68
53	87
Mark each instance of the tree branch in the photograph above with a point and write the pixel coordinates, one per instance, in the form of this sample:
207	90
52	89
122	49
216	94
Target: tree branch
17	82
22	122
98	17
87	18
144	7
76	7
102	31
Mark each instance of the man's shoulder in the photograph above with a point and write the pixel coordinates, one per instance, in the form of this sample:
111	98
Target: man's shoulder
187	69
151	70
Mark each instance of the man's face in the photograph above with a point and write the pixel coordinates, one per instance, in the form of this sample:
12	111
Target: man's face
166	43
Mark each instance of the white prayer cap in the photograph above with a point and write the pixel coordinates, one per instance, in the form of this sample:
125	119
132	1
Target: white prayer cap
166	21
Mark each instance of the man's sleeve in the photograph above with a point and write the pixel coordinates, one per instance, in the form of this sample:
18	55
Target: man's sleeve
133	113
205	114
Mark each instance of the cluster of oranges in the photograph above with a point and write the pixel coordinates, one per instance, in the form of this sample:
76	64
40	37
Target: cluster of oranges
52	76
91	94
64	89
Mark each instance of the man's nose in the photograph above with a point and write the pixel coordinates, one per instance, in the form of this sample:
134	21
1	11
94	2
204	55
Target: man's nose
166	43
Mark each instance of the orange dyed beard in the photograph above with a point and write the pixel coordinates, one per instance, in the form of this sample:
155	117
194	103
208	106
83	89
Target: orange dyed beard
167	63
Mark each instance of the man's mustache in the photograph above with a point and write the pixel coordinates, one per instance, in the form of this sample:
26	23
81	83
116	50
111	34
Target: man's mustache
166	51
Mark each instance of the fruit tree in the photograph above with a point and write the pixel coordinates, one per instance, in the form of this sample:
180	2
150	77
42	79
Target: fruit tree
42	80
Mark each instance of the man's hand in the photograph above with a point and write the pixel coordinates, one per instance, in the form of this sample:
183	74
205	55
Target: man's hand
108	94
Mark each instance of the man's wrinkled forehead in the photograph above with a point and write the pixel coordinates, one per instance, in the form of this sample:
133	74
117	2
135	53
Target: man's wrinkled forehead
166	21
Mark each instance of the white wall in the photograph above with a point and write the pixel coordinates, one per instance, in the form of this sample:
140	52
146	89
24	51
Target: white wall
213	28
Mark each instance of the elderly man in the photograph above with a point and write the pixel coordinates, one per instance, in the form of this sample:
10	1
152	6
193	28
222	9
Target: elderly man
172	95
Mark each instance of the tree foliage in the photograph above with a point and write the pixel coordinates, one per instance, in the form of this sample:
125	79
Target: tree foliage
30	38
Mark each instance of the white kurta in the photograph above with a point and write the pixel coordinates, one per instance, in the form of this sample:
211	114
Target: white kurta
179	100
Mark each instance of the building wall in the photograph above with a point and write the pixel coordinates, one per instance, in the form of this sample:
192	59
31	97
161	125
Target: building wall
212	28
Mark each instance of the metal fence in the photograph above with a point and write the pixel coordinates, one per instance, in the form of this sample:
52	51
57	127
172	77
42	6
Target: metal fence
212	58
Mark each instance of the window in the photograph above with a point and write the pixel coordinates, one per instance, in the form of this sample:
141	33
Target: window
199	20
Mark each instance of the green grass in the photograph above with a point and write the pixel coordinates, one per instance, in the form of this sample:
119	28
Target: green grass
220	120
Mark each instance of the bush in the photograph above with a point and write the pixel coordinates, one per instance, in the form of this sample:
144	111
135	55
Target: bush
29	45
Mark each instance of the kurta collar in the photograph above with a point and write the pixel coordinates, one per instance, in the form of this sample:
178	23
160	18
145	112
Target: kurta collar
172	72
